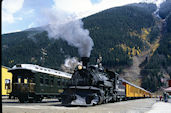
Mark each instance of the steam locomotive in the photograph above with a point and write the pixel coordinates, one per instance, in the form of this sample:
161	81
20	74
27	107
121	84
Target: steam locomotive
93	85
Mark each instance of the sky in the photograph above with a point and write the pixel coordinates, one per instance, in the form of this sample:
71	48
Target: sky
18	15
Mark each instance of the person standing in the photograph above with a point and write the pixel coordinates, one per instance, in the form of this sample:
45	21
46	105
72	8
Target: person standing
160	98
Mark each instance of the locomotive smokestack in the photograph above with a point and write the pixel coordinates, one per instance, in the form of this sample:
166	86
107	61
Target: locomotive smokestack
85	61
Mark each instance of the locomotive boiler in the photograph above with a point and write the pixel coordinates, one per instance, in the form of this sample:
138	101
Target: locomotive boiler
92	85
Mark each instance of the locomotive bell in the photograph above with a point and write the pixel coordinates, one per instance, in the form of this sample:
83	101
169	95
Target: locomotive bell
85	61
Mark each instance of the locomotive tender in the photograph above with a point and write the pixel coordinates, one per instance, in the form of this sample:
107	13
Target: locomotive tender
92	85
31	83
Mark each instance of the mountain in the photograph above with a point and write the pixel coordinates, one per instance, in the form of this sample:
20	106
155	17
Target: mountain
121	35
158	67
165	9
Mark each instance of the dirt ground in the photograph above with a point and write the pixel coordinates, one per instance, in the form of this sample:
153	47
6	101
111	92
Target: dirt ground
53	106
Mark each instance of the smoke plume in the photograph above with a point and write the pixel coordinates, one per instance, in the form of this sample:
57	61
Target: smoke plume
66	27
70	64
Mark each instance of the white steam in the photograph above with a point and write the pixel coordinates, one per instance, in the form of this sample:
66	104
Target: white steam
70	64
61	25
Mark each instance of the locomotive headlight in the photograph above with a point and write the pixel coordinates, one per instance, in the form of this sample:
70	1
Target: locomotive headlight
80	67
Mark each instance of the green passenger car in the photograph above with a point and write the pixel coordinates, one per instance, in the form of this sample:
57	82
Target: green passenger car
31	83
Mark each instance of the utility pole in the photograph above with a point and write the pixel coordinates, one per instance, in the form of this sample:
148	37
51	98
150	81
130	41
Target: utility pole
44	54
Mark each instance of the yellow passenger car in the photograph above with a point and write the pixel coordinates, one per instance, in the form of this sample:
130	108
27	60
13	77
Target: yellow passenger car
6	81
133	91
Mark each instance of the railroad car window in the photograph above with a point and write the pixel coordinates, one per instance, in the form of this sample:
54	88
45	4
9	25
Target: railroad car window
25	81
59	82
7	83
41	80
46	81
52	81
31	80
62	81
19	80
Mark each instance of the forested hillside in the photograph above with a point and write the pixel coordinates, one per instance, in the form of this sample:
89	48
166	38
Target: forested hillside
118	34
158	67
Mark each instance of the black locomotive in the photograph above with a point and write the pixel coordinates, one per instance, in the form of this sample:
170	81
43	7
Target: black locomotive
92	85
